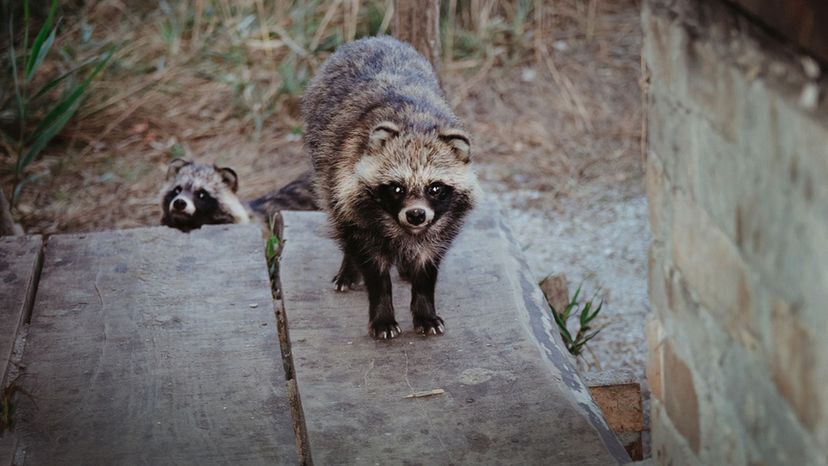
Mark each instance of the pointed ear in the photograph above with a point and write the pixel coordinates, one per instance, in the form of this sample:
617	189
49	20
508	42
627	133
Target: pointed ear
176	165
229	177
381	133
459	142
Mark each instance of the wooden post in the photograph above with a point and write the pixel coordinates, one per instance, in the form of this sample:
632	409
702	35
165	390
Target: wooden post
7	227
418	23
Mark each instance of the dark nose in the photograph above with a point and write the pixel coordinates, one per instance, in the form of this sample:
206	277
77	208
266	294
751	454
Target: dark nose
179	204
415	216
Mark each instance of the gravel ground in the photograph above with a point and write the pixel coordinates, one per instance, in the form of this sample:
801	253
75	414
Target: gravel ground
598	239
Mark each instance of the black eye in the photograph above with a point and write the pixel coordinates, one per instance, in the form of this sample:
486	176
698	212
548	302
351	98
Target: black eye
202	194
438	191
395	189
177	190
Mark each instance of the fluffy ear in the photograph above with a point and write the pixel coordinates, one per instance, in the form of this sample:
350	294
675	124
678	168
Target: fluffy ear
229	177
459	142
382	133
176	165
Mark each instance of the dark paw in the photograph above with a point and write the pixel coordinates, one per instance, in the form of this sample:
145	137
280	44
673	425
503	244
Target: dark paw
429	325
384	330
344	282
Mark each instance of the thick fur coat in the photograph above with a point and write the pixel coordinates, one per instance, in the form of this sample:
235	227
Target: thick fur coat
391	164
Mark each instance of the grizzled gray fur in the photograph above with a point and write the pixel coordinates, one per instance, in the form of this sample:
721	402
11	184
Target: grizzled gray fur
391	164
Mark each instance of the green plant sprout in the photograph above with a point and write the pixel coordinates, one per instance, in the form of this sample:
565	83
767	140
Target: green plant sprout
273	250
586	314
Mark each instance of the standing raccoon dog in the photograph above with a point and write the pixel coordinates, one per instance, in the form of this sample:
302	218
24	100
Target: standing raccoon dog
392	170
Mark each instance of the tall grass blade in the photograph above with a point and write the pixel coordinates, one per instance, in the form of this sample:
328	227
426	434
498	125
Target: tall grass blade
41	44
56	119
51	84
41	55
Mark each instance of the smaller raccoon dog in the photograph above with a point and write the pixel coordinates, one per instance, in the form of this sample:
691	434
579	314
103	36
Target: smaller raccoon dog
197	194
392	170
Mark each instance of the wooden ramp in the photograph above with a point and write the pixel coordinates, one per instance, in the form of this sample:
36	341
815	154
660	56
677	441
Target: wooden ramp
509	396
152	347
155	347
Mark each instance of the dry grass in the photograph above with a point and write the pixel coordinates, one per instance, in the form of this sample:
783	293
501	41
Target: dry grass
549	90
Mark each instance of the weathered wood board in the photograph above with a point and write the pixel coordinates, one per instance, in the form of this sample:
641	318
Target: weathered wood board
152	346
20	259
510	396
8	446
19	267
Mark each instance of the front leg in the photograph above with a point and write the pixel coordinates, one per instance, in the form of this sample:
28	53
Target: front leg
426	320
382	324
348	276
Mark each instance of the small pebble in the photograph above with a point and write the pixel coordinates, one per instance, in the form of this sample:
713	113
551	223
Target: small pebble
254	305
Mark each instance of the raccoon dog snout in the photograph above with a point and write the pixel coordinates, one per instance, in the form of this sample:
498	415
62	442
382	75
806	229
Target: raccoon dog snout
182	205
416	216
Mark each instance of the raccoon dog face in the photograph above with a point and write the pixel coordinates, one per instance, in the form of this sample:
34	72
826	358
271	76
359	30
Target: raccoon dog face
198	194
417	180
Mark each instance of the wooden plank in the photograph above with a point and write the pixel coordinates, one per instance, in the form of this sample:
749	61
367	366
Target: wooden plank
8	447
20	258
508	394
151	346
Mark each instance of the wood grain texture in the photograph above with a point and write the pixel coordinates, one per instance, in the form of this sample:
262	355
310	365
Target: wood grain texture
8	446
19	268
418	23
151	346
506	399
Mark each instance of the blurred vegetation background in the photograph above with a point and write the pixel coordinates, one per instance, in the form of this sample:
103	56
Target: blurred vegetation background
549	90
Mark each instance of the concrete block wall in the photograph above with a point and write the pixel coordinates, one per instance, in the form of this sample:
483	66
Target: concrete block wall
737	181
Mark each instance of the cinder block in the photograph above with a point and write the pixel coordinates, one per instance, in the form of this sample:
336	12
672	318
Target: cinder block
655	357
680	398
711	264
618	394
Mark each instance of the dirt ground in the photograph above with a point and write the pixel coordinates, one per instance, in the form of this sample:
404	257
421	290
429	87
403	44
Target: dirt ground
556	140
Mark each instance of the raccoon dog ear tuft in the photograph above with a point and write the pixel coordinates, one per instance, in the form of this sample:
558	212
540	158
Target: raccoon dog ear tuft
229	177
176	165
459	142
382	133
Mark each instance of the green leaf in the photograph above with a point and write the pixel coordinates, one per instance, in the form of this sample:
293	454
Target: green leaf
591	336
42	43
51	84
41	55
572	303
567	337
585	313
57	118
575	298
597	310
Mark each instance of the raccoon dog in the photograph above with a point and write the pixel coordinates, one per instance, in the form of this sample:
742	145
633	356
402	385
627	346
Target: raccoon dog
392	170
197	194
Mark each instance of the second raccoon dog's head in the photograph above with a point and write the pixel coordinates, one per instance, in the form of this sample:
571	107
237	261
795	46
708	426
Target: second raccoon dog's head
419	179
197	194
